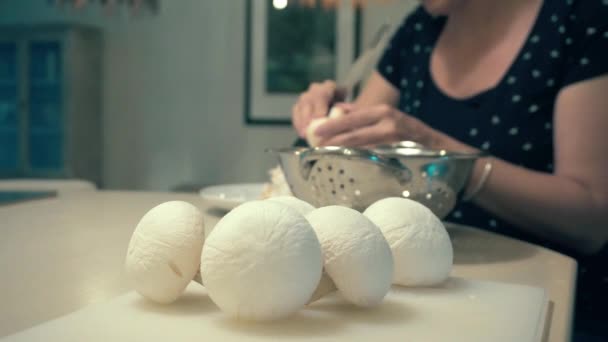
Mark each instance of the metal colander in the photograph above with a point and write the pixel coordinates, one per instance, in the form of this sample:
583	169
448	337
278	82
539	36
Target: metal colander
356	178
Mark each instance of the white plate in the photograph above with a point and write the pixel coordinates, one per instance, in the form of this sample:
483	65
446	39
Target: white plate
228	196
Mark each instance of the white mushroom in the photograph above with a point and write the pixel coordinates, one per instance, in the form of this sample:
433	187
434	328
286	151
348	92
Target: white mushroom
335	112
421	246
303	207
356	255
164	251
311	137
262	261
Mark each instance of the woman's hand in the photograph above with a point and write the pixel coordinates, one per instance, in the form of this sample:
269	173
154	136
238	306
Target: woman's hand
372	125
314	103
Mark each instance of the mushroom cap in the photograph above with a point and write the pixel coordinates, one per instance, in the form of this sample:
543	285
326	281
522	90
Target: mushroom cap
262	261
313	139
335	112
164	251
357	256
302	207
421	246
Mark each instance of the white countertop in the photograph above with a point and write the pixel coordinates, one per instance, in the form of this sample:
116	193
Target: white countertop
59	255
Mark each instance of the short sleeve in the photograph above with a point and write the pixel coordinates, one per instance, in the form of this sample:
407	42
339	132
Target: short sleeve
587	42
391	62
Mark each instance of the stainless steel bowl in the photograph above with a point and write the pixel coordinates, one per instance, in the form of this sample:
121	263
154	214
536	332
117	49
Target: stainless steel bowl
356	177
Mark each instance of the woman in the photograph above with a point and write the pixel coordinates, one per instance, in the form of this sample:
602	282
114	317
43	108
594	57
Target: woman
526	80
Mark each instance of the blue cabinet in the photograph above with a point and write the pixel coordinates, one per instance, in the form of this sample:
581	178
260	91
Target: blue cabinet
45	124
50	102
9	103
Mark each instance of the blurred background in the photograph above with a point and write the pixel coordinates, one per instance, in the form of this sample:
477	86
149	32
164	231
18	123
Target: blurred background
147	98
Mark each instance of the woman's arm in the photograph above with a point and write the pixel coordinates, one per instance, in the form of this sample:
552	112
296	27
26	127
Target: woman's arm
569	207
377	91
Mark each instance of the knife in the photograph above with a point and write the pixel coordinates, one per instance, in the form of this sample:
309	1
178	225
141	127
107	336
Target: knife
363	63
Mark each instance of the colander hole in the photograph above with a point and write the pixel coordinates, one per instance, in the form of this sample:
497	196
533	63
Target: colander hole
319	169
341	186
341	171
333	192
329	168
331	180
352	180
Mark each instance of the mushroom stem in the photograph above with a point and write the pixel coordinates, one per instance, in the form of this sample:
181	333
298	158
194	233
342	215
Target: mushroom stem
197	277
326	286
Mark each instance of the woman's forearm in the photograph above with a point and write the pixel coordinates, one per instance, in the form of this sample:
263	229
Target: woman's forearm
550	206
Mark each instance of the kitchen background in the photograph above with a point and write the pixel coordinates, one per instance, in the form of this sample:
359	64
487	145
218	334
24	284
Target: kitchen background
171	108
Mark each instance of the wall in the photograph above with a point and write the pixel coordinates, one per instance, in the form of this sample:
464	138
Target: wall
173	92
186	103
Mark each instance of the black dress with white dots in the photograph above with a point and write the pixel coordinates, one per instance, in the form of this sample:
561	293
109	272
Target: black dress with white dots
568	43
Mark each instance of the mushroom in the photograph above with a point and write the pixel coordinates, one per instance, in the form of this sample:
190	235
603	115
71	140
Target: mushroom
335	112
420	244
262	261
164	252
311	137
357	258
303	207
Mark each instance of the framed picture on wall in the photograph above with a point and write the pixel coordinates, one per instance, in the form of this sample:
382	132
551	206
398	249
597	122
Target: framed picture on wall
290	44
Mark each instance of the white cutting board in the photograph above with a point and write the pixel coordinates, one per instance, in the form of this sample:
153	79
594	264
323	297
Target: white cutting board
460	310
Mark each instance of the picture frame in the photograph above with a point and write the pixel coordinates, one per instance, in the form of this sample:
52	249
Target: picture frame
272	88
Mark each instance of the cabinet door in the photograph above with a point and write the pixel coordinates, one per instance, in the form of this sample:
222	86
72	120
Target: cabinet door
9	108
45	119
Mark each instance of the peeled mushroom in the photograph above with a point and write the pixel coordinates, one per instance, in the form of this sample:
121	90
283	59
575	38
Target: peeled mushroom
421	247
313	139
335	112
164	252
262	261
357	257
303	207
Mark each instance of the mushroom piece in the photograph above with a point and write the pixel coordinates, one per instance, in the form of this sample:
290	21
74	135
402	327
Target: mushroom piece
311	137
262	261
357	258
420	244
335	112
303	207
164	252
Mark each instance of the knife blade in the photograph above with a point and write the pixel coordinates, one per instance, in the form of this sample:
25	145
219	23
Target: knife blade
360	68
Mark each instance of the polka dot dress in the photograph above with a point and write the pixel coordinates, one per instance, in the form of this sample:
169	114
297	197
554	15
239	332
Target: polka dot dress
513	121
